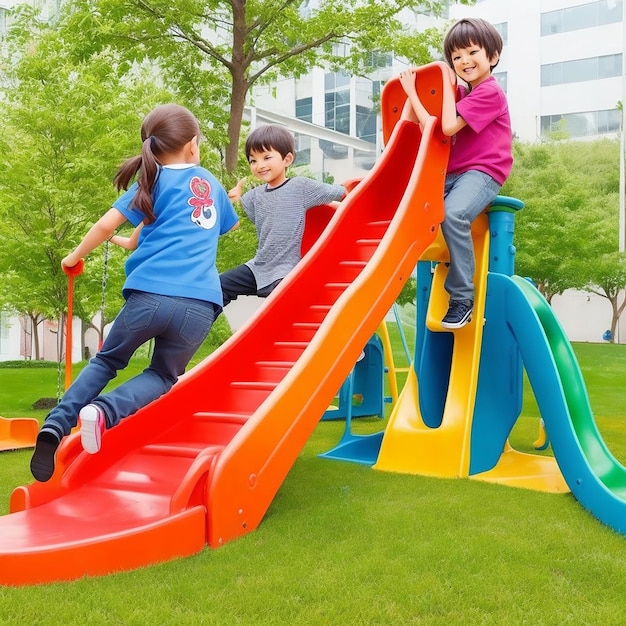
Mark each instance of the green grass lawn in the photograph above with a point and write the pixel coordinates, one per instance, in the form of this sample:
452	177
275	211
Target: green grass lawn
343	544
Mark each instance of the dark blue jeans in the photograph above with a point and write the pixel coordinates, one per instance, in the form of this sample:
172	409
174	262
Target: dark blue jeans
178	327
240	281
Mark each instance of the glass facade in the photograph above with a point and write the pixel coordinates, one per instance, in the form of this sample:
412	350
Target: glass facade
501	77
303	149
581	70
304	109
365	124
582	16
584	124
337	110
503	29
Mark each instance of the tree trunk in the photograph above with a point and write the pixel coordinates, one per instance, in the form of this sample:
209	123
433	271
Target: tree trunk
240	85
237	103
35	336
614	320
618	309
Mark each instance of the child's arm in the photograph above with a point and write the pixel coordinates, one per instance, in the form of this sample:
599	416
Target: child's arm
348	186
100	231
129	243
237	191
413	109
451	123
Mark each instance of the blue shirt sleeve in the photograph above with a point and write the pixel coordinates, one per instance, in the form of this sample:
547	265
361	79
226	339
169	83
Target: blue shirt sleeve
122	204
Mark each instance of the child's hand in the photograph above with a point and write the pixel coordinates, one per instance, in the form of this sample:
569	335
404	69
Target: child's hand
70	260
407	80
235	193
453	77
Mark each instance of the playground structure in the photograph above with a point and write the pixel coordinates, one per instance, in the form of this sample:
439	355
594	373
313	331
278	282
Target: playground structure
362	393
18	433
201	465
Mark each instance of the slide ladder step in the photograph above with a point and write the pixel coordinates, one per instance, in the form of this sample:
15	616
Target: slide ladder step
222	418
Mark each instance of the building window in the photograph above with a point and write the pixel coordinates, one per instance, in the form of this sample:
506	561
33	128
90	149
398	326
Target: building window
501	77
584	124
379	60
334	80
581	70
503	29
337	111
304	109
365	124
303	149
582	16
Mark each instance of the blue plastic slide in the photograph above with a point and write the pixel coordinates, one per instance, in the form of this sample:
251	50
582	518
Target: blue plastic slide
596	478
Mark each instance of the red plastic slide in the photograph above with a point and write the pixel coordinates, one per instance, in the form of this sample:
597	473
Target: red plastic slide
202	464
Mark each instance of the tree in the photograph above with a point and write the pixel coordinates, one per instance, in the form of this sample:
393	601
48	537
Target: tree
67	124
570	219
608	280
211	53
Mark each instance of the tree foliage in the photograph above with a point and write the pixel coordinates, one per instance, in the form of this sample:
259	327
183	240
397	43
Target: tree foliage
566	237
67	125
211	53
77	88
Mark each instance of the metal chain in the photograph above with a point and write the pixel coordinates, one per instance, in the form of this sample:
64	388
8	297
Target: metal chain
105	276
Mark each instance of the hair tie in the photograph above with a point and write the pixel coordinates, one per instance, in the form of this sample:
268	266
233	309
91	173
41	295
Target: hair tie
152	139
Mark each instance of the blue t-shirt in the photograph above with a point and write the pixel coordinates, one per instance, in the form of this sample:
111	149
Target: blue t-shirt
175	255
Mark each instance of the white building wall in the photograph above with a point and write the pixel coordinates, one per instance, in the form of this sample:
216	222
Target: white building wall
10	338
584	316
523	70
526	51
281	96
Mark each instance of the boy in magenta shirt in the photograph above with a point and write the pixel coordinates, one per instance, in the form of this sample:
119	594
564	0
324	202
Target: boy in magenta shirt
480	156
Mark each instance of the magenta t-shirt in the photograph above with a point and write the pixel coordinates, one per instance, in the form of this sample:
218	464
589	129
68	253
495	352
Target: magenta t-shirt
485	143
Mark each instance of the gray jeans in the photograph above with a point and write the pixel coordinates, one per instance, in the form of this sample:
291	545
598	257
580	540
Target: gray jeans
465	197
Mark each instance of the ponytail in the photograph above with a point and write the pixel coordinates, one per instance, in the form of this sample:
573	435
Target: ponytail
165	130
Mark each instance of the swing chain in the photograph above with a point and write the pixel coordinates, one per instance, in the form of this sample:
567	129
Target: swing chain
105	275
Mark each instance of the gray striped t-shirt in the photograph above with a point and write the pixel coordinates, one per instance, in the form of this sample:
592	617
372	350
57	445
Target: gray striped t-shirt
278	215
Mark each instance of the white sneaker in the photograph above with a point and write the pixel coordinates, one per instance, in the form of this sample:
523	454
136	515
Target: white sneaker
92	425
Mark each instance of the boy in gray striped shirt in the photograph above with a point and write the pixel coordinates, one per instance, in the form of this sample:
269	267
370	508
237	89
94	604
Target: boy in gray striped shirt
276	209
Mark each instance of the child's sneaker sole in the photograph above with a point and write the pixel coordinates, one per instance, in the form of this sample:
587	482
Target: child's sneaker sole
42	461
91	428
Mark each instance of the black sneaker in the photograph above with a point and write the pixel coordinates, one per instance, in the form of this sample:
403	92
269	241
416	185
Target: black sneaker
459	313
42	462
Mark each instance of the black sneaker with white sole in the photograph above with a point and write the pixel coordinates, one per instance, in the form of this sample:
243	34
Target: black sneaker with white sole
43	459
459	313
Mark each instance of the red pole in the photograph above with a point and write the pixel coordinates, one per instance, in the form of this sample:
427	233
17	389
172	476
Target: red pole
75	270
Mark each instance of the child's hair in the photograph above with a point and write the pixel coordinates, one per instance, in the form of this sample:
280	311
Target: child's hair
469	32
270	137
166	129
